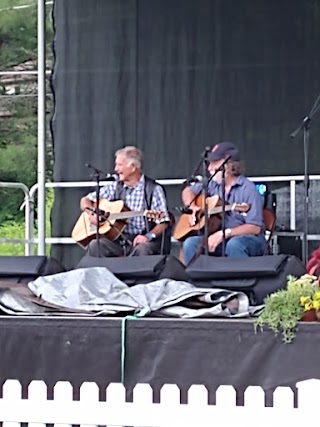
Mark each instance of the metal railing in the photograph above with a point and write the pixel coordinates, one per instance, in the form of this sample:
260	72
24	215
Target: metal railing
29	203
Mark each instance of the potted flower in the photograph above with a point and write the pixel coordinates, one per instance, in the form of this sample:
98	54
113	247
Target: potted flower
311	307
285	308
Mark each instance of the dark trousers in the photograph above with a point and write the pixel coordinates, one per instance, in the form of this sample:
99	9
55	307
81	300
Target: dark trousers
119	248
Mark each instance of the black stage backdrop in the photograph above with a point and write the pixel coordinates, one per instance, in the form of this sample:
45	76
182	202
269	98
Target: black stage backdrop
173	76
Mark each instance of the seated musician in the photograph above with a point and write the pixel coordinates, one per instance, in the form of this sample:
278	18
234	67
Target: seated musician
140	236
244	234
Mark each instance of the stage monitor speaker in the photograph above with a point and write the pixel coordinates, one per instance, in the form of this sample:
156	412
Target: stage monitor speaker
138	269
257	277
290	243
24	269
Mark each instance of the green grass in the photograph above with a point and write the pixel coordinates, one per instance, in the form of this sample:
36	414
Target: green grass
11	230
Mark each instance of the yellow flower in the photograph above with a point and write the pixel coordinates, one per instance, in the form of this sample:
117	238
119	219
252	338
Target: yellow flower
316	296
316	305
308	306
303	300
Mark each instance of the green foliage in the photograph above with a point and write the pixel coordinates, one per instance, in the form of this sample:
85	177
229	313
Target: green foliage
18	121
283	310
12	230
18	32
17	164
16	230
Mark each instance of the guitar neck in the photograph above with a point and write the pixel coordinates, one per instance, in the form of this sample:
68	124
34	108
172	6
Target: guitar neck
125	215
218	209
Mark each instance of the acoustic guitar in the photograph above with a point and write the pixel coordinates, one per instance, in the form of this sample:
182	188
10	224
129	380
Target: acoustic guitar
183	229
113	215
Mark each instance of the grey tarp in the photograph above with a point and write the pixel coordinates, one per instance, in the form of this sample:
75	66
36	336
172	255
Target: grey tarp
97	291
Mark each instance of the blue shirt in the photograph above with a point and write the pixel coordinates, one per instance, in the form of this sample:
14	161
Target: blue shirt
135	201
242	191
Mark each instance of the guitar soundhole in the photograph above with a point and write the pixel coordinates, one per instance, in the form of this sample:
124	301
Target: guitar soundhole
103	216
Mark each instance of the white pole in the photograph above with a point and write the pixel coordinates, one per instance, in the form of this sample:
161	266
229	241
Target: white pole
41	127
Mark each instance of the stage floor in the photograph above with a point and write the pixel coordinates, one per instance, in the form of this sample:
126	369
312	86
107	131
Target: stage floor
157	351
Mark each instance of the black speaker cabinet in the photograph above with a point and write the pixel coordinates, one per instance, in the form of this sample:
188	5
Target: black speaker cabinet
288	243
257	277
24	269
131	270
139	269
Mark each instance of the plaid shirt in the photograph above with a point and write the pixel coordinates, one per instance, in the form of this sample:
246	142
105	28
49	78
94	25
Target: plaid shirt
135	201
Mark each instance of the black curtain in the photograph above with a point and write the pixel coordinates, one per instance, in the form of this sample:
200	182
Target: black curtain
173	76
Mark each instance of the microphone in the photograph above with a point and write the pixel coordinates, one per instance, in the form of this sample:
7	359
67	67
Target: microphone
104	176
205	152
87	165
110	177
194	179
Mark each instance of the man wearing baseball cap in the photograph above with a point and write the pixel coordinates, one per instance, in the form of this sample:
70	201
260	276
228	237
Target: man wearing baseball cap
244	233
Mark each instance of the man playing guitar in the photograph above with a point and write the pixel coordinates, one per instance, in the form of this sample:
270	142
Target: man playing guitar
244	233
137	191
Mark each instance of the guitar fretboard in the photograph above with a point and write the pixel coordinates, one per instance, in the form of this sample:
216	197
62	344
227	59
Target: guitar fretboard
218	209
125	215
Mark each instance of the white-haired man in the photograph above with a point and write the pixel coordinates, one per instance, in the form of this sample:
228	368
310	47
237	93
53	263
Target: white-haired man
138	192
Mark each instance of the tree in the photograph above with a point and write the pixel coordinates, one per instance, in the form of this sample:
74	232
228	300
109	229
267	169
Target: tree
18	107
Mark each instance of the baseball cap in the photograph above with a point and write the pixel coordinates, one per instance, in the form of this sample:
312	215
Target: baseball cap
222	151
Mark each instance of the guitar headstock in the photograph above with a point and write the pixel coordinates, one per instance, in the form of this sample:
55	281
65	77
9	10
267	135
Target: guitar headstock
153	215
242	208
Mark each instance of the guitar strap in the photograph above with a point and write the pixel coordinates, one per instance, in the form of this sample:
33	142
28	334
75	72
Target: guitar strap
120	193
150	185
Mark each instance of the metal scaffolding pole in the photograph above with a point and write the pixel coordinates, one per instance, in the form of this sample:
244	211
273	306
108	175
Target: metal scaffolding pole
41	127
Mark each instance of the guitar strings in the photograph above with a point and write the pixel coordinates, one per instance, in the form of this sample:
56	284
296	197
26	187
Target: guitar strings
125	238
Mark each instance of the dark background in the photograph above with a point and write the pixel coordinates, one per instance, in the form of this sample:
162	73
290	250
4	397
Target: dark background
173	76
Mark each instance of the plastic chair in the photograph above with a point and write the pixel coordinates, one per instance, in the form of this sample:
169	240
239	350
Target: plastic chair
269	219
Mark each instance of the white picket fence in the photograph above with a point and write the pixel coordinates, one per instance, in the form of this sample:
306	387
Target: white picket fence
115	411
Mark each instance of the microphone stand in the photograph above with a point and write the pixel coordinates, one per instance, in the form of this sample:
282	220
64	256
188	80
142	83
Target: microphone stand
223	219
204	191
222	168
96	175
205	183
203	155
305	125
